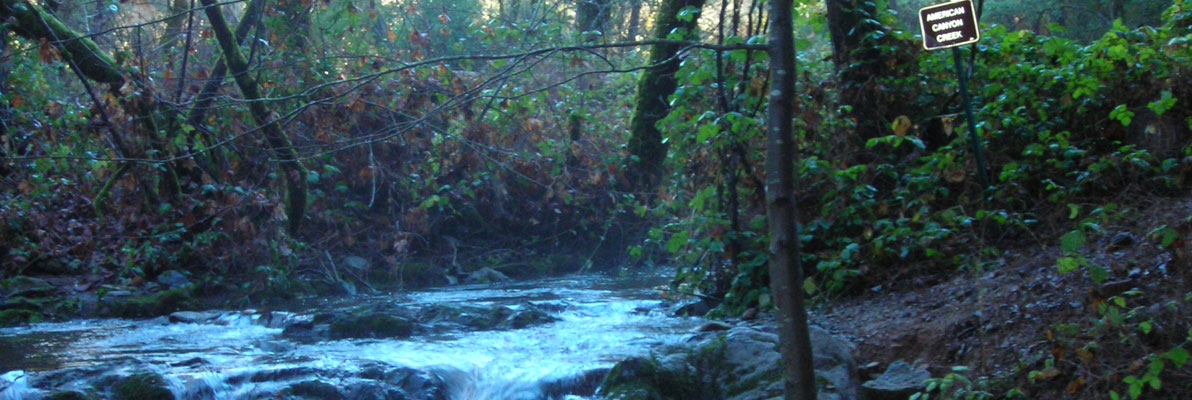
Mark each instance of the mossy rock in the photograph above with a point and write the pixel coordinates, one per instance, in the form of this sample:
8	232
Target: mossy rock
371	325
645	379
18	316
26	286
69	395
142	386
157	304
25	303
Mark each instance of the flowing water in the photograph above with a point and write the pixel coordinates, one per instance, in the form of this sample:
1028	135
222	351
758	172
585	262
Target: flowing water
601	320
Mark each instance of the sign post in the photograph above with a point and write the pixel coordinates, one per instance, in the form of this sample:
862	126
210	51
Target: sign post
951	25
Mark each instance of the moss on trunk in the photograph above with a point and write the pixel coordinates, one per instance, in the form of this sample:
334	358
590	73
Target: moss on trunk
34	23
294	172
646	149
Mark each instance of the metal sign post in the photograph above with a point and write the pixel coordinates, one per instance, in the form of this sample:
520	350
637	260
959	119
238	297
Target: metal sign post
951	25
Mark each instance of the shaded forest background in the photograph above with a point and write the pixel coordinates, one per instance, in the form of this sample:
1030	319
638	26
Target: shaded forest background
435	137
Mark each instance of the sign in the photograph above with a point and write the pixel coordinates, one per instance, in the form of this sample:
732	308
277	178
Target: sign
949	25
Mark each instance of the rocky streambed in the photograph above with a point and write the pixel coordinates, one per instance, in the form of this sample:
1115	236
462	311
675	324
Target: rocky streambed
578	337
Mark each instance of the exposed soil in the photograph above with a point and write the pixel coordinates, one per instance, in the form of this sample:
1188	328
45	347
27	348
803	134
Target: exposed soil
1000	322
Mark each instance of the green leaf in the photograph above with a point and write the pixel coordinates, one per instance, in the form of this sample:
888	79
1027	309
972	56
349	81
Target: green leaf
1098	273
706	131
1072	241
676	242
1178	356
1066	264
1165	102
1145	326
1122	114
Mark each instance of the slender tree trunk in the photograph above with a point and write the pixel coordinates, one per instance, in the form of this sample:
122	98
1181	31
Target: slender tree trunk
646	149
287	158
174	25
786	276
295	36
4	112
635	16
591	19
1119	10
206	97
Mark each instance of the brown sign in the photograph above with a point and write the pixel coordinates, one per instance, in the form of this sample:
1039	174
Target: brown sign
949	25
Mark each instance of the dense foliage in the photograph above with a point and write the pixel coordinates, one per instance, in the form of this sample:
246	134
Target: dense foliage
436	137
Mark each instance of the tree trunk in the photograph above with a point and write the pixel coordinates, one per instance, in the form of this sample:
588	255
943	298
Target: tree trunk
4	164
174	24
206	96
646	150
591	19
786	276
635	16
33	23
287	157
295	37
857	63
1119	10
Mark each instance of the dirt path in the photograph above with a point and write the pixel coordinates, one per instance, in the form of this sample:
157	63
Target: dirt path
997	321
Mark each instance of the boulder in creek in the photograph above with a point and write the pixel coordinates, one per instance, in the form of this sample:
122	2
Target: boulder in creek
483	318
191	317
371	324
141	386
741	363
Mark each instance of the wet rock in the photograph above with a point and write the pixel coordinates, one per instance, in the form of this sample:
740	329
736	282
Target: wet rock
712	326
314	390
692	308
486	275
298	328
478	318
899	382
172	279
749	314
584	384
278	319
374	324
142	386
152	305
741	363
191	317
26	286
68	395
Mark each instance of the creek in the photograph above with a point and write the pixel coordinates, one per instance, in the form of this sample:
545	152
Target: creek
595	321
